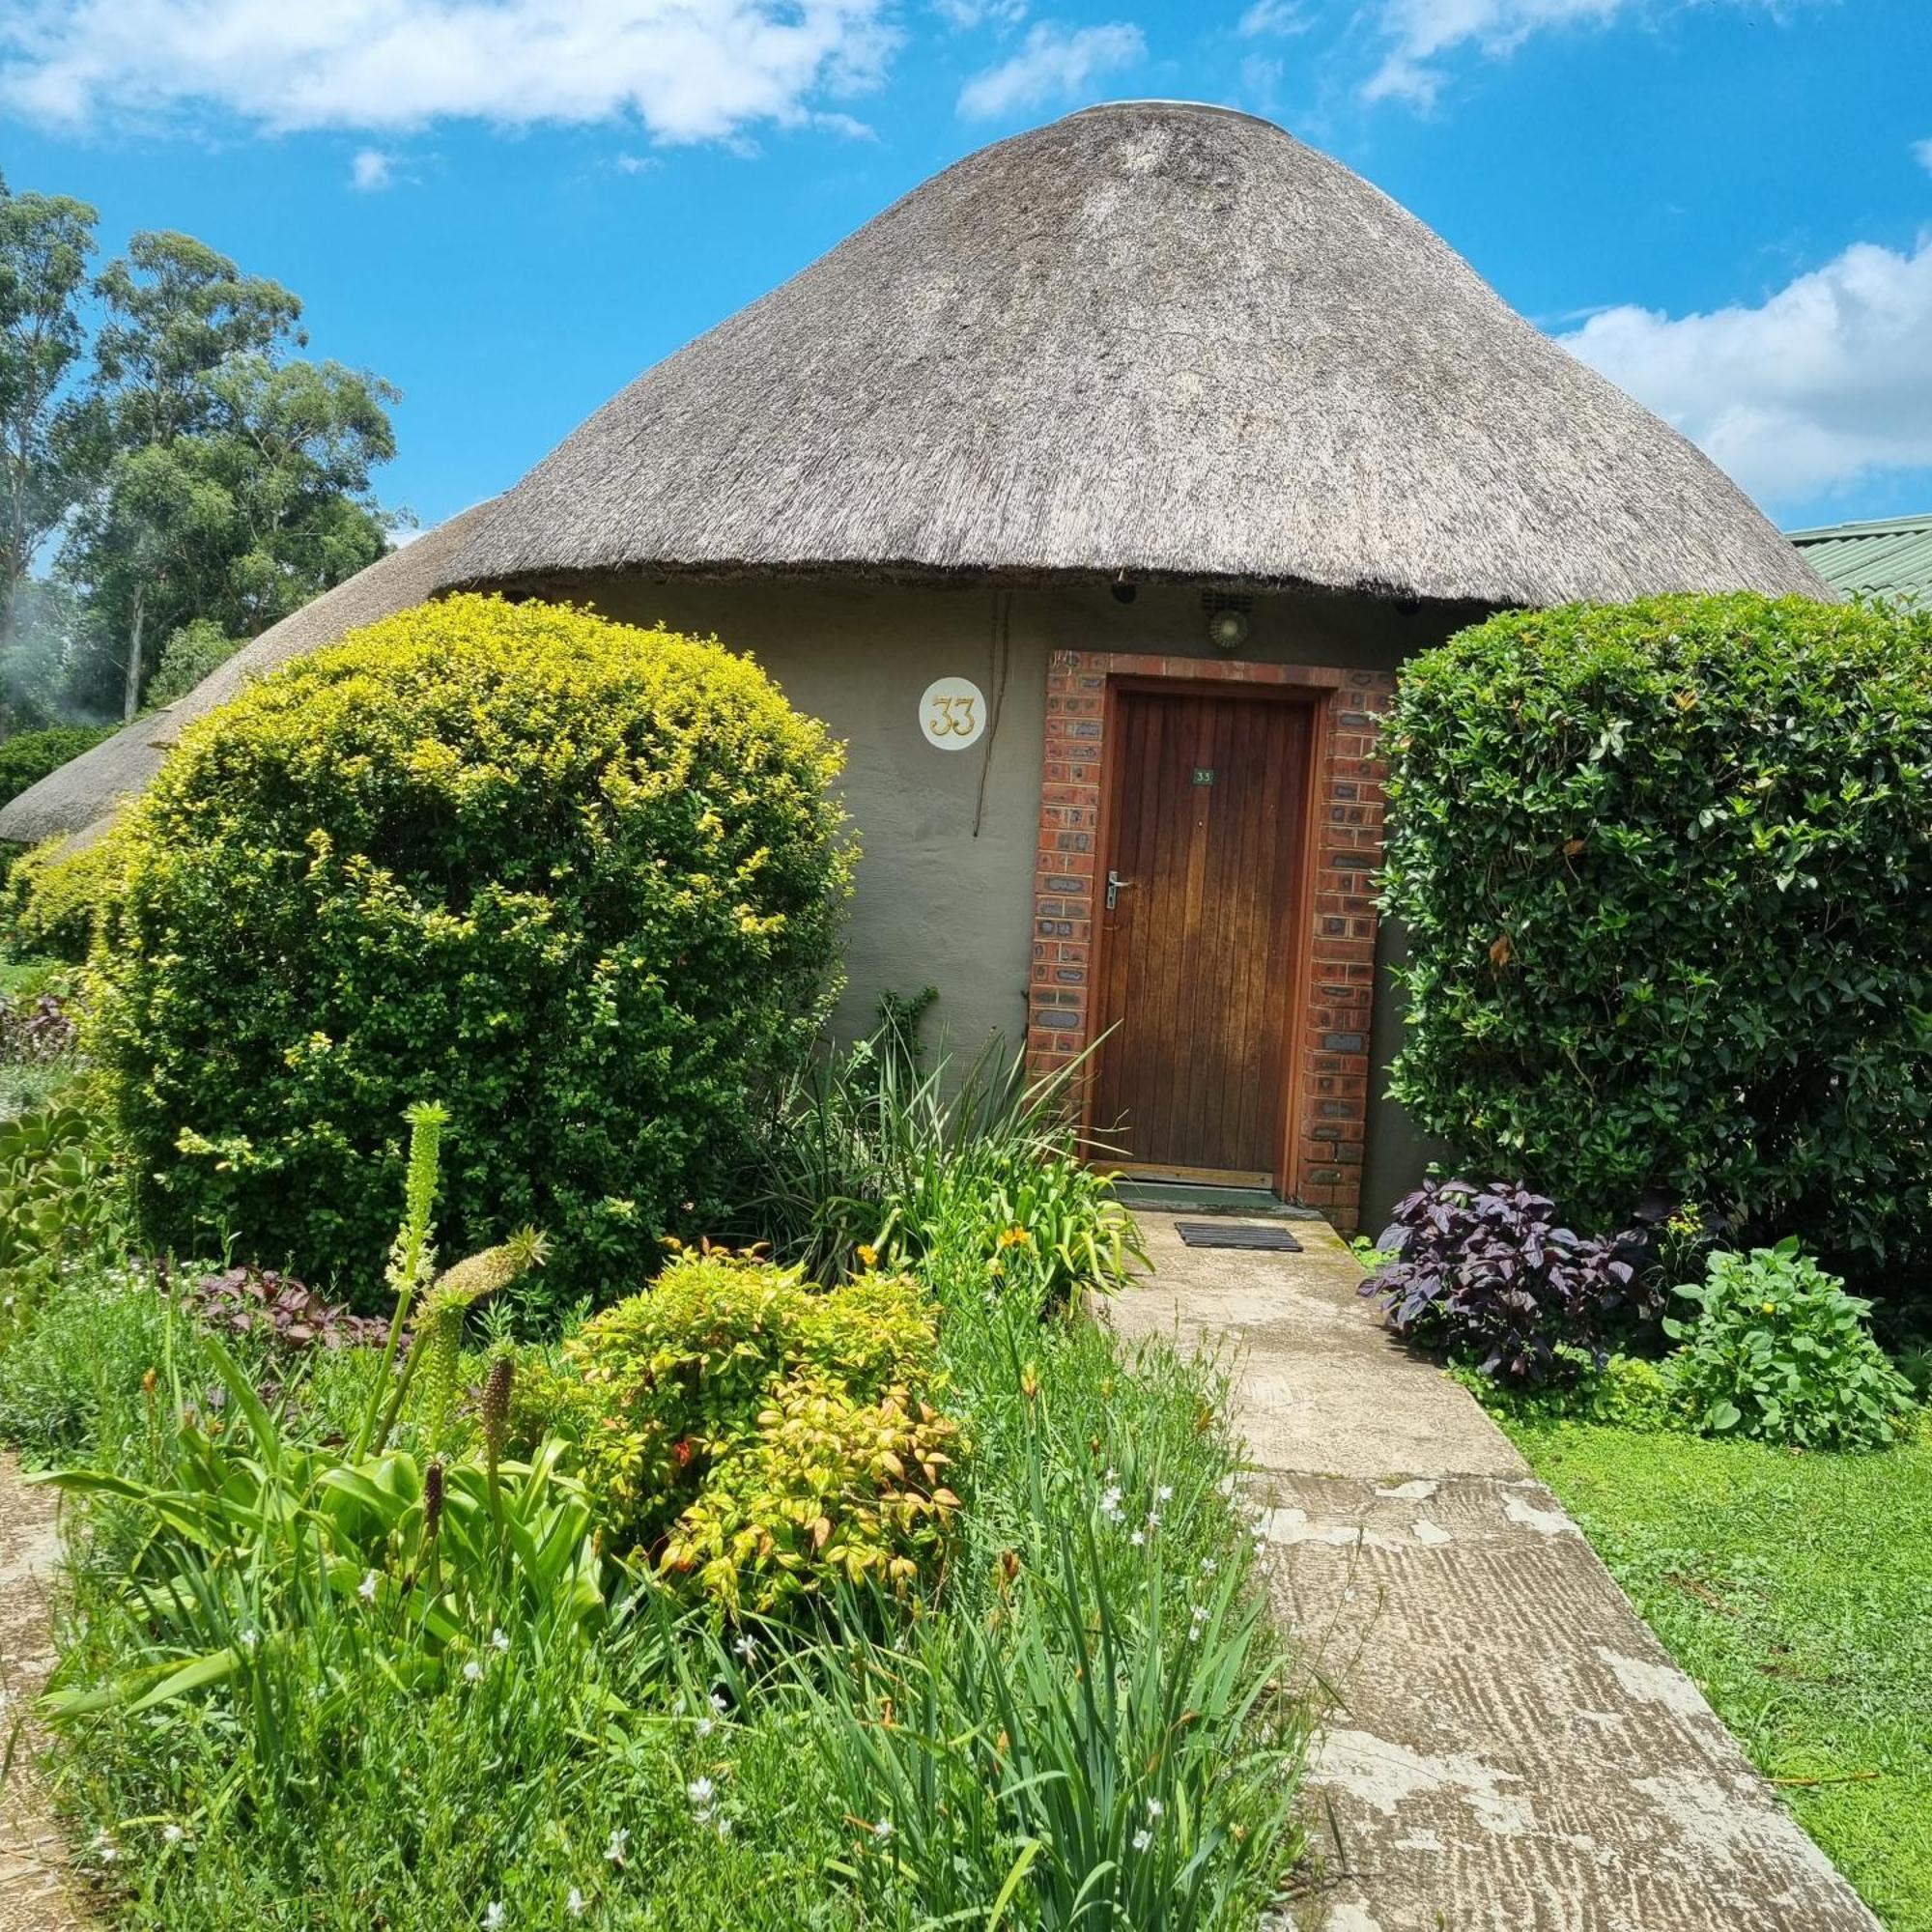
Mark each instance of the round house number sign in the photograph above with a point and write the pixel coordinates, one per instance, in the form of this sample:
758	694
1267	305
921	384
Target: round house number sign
953	713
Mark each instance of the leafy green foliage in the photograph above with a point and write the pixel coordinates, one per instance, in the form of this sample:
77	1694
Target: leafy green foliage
1621	1392
73	1351
583	879
55	897
1779	1351
757	1439
28	756
254	1536
193	650
869	1154
59	1198
1663	869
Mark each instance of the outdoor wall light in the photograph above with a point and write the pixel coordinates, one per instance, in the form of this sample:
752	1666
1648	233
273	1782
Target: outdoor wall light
1227	630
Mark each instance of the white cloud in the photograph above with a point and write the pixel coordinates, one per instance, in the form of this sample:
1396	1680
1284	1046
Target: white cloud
1053	64
1923	151
372	169
687	70
1828	380
1273	16
965	14
1418	34
1421	31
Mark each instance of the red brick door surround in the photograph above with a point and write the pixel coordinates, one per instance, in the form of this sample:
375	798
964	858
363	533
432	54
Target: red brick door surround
1332	996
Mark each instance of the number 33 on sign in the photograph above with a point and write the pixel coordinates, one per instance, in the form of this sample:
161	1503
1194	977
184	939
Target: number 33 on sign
953	713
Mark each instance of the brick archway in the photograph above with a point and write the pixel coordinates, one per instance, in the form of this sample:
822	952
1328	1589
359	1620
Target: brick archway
1330	1061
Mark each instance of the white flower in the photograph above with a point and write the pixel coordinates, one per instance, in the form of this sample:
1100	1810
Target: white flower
700	1791
1156	1807
366	1589
706	1727
745	1648
574	1904
472	1672
493	1917
720	1702
499	1641
249	1637
172	1834
1143	1838
883	1829
723	1828
1111	1477
104	1848
1165	1494
1208	1566
1137	1539
1154	1518
620	1838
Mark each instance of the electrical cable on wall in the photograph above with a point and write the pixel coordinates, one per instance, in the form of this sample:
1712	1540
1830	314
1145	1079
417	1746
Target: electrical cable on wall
999	661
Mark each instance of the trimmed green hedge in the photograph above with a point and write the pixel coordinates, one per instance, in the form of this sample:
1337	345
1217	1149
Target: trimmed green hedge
580	882
28	756
1666	871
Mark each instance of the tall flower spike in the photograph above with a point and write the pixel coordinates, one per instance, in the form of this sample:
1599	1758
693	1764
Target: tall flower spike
412	1263
494	1408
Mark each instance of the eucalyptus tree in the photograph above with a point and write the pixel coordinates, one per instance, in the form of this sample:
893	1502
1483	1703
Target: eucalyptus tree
45	241
229	481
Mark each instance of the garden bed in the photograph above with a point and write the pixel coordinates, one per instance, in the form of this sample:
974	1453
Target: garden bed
1073	1696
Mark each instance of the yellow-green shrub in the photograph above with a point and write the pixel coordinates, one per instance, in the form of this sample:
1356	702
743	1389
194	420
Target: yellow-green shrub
55	897
755	1437
579	879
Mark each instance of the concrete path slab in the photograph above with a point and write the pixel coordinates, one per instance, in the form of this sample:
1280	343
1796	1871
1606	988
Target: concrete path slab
39	1890
1508	1747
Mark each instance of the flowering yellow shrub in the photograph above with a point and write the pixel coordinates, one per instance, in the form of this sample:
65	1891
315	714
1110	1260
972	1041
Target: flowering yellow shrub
581	879
56	894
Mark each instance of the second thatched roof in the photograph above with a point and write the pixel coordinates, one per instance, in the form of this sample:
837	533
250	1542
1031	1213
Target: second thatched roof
85	789
1153	339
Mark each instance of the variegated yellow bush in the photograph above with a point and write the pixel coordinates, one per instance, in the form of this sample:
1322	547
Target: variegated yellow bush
756	1437
579	879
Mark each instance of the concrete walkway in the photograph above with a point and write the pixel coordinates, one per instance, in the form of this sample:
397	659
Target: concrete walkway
1509	1748
38	1892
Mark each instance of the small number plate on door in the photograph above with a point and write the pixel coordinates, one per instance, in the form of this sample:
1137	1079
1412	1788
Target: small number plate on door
1203	775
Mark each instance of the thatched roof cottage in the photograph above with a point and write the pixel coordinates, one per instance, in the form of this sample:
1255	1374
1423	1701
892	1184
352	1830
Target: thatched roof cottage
1095	492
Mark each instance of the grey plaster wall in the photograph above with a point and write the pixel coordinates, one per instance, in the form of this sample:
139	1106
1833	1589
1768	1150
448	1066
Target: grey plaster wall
945	887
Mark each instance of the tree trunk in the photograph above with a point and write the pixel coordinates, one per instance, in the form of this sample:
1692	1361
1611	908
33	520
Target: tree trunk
131	694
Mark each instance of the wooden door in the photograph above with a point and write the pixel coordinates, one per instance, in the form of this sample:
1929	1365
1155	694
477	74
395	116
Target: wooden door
1203	832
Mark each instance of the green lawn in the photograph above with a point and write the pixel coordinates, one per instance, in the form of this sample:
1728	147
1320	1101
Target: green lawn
1797	1590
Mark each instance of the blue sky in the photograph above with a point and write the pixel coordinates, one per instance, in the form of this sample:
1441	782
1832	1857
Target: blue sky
510	206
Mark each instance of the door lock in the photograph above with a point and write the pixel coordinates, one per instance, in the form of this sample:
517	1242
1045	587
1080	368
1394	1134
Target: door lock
1116	885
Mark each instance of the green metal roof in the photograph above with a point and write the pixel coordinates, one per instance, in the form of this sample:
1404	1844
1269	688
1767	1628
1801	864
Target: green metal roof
1889	557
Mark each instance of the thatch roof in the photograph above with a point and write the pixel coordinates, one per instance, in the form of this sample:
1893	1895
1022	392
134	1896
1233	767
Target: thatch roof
1157	339
96	783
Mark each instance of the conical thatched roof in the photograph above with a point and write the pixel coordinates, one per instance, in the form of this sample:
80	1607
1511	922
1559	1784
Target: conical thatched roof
1152	338
96	783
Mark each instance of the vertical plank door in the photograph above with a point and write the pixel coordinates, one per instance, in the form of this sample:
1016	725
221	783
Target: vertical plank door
1204	832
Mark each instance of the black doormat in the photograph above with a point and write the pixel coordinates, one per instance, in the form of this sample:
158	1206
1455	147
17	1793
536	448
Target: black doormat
1237	1235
